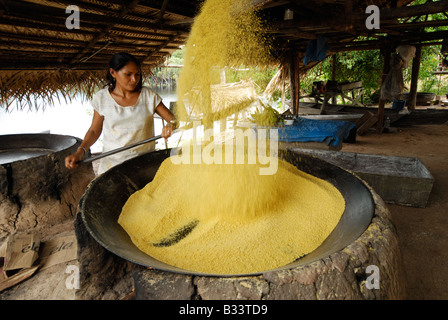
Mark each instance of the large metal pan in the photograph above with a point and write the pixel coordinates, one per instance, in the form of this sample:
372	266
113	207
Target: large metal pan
17	147
102	203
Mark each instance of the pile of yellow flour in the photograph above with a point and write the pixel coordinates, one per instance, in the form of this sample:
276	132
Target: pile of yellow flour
228	219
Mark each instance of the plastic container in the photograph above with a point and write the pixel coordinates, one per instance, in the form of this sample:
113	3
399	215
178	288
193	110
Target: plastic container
398	104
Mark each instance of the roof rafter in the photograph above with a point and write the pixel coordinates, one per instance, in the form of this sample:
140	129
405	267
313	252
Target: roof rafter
105	31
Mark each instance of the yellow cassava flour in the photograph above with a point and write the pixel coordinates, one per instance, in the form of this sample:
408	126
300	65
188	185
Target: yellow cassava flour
225	34
228	219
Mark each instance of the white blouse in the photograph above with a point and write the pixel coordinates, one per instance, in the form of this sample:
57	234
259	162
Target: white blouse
124	125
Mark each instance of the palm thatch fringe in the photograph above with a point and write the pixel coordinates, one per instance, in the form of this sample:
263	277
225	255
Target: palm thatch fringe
279	82
37	89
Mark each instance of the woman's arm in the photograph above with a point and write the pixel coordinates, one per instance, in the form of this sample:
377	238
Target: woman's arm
90	138
166	115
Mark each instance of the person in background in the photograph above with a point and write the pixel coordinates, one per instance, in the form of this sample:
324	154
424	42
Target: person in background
123	112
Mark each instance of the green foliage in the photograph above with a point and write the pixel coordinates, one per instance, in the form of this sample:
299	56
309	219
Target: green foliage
428	81
169	75
260	75
177	57
367	66
351	66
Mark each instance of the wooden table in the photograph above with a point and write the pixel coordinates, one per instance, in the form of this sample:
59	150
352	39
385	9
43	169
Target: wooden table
351	94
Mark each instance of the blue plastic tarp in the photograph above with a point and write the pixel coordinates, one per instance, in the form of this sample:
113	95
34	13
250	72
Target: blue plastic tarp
316	50
305	130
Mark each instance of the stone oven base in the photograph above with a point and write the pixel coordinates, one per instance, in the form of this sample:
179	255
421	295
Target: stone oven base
103	275
342	275
40	192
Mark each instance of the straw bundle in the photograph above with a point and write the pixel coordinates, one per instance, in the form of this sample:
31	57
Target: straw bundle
279	82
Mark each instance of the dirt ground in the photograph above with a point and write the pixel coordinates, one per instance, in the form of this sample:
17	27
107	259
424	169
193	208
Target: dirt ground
422	232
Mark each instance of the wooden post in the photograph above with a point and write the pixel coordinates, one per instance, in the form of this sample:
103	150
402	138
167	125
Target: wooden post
297	87
414	78
283	90
333	73
386	68
294	81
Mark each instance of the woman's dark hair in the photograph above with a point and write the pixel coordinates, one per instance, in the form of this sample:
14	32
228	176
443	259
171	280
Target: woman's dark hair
118	61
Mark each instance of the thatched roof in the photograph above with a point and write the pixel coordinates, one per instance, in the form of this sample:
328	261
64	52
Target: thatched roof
39	55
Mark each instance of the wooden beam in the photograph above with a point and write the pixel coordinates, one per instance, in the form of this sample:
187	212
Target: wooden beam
158	48
162	12
298	34
270	4
412	38
348	7
175	8
377	45
85	59
313	6
52	18
414	78
414	25
357	19
410	11
35	28
39	65
104	32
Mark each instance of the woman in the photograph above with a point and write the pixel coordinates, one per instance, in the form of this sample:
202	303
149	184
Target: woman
124	112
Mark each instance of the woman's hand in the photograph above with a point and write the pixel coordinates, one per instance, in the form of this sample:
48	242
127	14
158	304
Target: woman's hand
90	138
167	130
72	160
166	115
